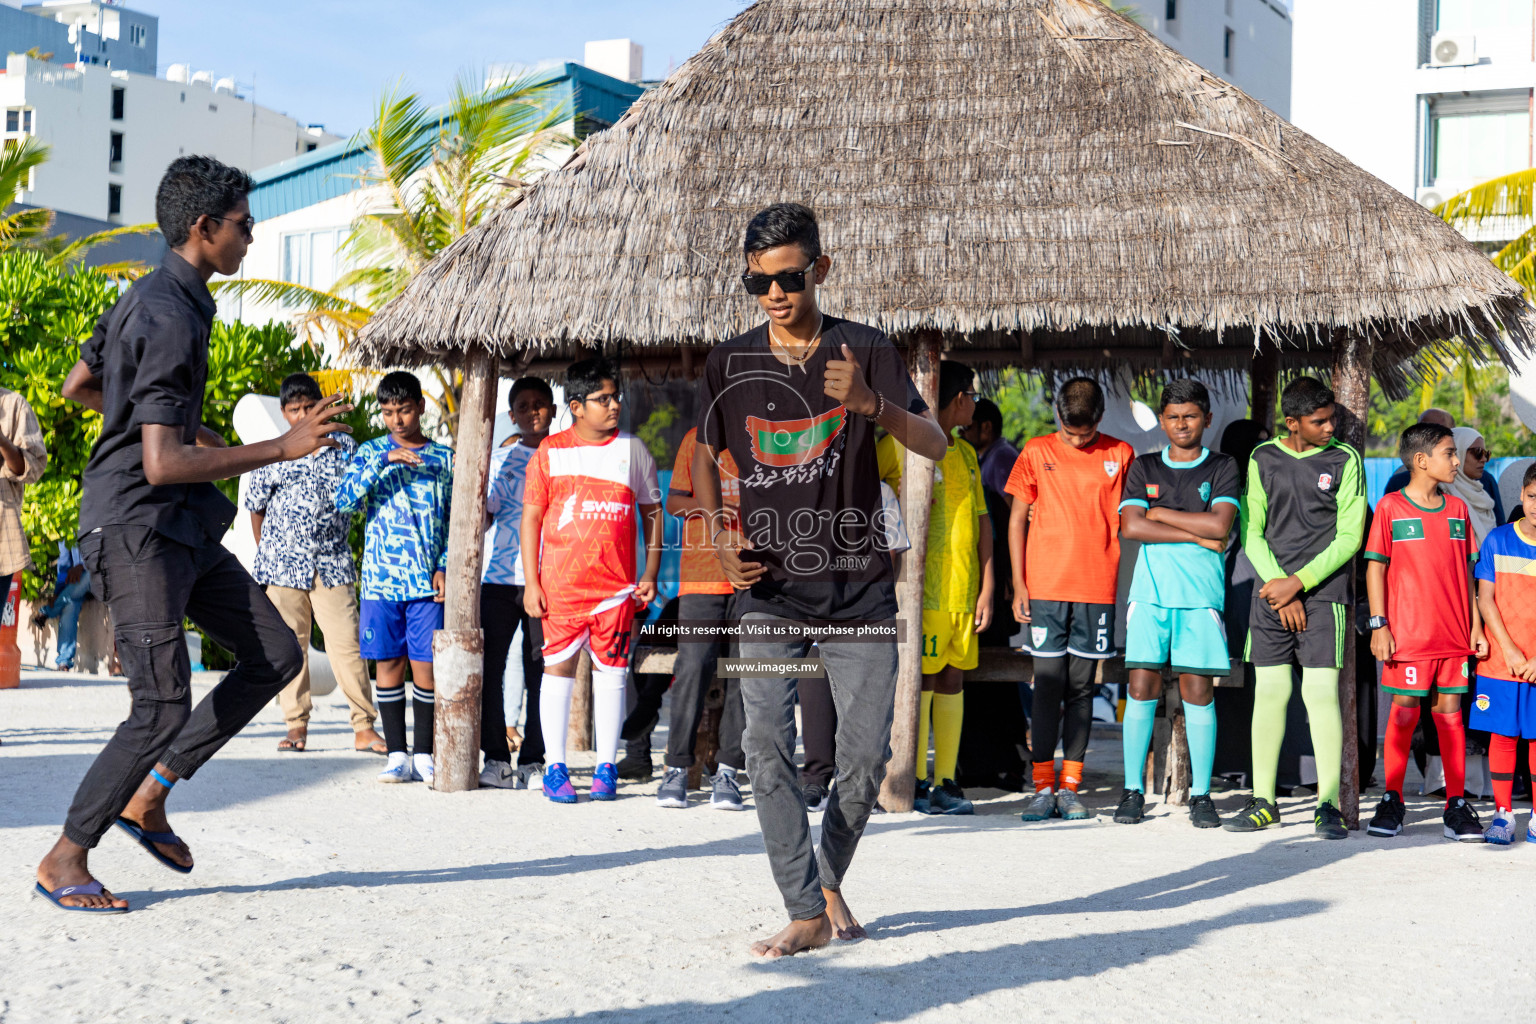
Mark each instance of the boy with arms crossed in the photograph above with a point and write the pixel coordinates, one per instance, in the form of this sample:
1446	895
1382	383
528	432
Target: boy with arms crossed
1424	623
1303	518
580	569
1180	504
303	560
1505	703
1066	565
532	409
402	482
795	401
957	596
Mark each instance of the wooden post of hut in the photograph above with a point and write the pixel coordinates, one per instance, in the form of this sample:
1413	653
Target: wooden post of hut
1352	388
1264	379
917	490
458	649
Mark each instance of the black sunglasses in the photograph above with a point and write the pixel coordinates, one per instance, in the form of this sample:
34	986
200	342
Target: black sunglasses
246	224
789	280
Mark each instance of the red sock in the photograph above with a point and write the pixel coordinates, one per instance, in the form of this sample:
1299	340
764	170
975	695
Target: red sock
1501	769
1401	722
1071	775
1453	753
1045	775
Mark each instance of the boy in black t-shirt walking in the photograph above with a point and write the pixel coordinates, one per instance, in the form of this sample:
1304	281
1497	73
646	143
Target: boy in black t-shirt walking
795	401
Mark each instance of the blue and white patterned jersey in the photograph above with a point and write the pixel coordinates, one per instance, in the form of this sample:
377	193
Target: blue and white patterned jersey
406	538
504	503
302	533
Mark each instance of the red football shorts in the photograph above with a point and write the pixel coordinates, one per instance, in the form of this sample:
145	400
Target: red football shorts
606	634
1414	678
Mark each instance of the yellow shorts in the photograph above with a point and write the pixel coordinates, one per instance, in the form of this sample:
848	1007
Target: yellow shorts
949	638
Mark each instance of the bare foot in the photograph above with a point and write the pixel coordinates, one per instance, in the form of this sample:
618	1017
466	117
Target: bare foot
844	925
369	741
146	809
65	865
809	934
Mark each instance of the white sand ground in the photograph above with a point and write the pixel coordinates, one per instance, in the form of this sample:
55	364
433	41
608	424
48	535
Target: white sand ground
320	895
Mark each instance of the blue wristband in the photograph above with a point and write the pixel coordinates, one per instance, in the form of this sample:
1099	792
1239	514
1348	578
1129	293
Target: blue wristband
161	779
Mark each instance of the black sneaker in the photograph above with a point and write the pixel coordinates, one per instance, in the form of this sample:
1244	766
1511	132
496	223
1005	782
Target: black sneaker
1329	823
949	798
1257	814
1131	803
634	766
1461	822
1388	820
1202	811
815	797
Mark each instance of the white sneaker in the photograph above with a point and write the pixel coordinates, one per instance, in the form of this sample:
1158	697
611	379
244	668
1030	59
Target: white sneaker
498	775
526	773
421	767
398	768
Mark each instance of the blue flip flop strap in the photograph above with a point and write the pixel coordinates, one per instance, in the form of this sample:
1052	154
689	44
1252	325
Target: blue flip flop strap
159	837
162	780
91	888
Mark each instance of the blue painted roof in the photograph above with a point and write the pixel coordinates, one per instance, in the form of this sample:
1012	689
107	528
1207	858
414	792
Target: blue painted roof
333	170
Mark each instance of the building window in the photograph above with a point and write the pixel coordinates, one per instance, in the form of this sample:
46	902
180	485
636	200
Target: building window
114	200
18	120
1171	10
116	158
1479	136
309	147
119	94
1227	38
313	258
138	35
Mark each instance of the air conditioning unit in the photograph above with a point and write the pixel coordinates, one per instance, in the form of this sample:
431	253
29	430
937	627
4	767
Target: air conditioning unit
1430	197
1449	50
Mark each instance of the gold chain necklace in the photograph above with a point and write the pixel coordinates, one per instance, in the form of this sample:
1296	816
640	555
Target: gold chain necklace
810	347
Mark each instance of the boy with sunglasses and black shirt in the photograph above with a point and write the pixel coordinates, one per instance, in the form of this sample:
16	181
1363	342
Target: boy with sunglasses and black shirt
795	401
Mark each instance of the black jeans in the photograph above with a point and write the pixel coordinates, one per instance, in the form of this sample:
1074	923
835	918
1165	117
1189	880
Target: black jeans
818	730
501	612
692	673
150	583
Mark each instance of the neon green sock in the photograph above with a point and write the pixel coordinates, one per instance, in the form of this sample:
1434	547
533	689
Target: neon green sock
924	713
948	716
1271	693
1320	691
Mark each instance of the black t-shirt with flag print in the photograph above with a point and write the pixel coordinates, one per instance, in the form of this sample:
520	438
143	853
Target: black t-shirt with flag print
810	489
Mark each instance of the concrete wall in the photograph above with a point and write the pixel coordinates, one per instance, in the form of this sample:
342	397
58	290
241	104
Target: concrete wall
72	112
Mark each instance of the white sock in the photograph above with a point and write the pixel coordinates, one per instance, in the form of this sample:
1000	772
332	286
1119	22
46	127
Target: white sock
607	710
555	715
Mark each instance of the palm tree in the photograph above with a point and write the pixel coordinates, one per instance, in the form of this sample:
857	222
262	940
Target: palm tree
1506	198
435	175
28	228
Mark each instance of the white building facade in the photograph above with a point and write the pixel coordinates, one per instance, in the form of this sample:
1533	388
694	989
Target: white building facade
114	132
1431	96
1245	42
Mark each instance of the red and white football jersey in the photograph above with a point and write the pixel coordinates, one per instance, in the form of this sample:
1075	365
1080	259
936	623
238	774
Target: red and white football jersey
589	491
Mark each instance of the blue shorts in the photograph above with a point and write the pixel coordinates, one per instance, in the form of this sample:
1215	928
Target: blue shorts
398	629
1192	640
1504	708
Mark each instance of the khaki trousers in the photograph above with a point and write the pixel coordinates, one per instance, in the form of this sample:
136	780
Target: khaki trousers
335	609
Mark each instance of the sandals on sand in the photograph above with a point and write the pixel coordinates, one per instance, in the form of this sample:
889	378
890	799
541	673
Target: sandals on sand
148	841
91	888
373	746
295	741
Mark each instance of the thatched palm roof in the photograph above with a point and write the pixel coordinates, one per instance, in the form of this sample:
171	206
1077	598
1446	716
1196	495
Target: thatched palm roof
1035	176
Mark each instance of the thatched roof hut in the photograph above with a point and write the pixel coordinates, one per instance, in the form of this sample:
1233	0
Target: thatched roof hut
1028	176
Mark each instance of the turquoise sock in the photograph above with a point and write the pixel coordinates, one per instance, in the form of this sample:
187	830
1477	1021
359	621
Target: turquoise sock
1136	738
1200	730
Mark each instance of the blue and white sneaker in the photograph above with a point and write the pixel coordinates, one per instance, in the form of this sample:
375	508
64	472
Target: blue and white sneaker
557	784
398	768
421	767
1530	829
605	782
1502	831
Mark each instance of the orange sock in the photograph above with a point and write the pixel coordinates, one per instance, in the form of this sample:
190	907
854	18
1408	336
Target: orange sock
1071	775
1045	775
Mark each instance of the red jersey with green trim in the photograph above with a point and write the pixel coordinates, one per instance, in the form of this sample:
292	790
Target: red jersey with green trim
1429	556
1508	559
